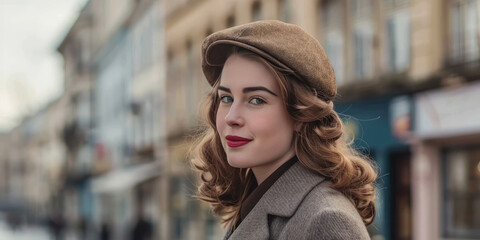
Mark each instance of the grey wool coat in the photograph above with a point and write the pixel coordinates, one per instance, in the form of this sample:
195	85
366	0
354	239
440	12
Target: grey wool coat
301	205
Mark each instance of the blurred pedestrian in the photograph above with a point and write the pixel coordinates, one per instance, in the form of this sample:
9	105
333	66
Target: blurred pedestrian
82	228
105	231
56	226
274	160
142	229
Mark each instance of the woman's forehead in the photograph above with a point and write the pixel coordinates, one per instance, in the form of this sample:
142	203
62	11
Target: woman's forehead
241	72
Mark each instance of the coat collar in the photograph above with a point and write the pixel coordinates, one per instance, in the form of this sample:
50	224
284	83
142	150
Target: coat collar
282	199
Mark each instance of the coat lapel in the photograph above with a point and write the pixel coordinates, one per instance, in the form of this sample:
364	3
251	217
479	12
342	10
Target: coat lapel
282	199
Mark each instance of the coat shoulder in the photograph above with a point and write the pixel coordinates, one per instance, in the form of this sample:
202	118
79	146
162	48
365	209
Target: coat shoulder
331	215
324	197
335	224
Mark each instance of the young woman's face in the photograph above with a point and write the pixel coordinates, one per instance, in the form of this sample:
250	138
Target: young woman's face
252	120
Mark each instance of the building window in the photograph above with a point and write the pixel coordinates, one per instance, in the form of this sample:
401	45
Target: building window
144	120
257	12
230	21
362	41
396	3
174	82
83	109
461	193
144	41
398	36
285	10
191	87
81	53
331	18
464	31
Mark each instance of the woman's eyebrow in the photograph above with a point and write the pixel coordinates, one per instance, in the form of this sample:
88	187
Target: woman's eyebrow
259	88
248	89
224	89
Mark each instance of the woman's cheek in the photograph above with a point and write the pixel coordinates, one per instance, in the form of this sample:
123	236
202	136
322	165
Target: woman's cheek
220	121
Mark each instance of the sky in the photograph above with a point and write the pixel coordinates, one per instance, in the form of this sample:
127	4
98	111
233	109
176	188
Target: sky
31	69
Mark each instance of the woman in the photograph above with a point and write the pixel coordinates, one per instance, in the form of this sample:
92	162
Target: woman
273	160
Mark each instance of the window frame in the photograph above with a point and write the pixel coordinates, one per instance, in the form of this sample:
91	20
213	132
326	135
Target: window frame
337	31
394	13
445	193
360	24
459	36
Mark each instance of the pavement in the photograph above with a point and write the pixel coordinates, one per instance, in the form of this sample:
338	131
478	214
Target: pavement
30	232
23	233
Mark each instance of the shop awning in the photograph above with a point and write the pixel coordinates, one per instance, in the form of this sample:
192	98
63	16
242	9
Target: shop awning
125	178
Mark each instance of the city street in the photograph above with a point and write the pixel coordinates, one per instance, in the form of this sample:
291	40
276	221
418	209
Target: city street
112	125
23	233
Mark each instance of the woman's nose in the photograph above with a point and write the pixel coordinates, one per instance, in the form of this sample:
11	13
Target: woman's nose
234	116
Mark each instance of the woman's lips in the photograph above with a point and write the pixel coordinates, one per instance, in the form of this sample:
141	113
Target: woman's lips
236	141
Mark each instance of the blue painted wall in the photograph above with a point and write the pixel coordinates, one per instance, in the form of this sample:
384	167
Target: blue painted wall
374	136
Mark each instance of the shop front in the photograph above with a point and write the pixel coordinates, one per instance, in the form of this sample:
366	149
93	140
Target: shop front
446	163
380	126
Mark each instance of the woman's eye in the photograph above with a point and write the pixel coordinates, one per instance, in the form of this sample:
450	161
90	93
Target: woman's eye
226	99
257	101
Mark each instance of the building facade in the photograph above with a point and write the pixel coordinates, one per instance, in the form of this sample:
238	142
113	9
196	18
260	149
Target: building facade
115	145
113	63
33	158
387	56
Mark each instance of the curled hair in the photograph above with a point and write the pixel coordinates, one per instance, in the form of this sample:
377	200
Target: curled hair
320	145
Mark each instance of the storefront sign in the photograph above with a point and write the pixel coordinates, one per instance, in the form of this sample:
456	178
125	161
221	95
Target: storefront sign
448	112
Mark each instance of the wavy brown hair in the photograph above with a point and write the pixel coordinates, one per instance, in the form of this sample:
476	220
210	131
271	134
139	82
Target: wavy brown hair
320	145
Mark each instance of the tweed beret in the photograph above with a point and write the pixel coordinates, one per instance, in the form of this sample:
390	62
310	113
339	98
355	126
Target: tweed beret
284	45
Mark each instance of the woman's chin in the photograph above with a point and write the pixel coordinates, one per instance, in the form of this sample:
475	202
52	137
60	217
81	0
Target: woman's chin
238	163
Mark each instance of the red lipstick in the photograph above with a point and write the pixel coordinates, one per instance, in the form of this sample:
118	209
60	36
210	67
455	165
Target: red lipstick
236	141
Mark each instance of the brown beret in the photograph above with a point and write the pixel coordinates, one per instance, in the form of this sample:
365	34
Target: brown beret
285	45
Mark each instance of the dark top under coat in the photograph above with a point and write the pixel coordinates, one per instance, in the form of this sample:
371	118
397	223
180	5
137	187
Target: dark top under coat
255	196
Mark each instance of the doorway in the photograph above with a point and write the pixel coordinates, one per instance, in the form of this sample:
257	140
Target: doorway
401	203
